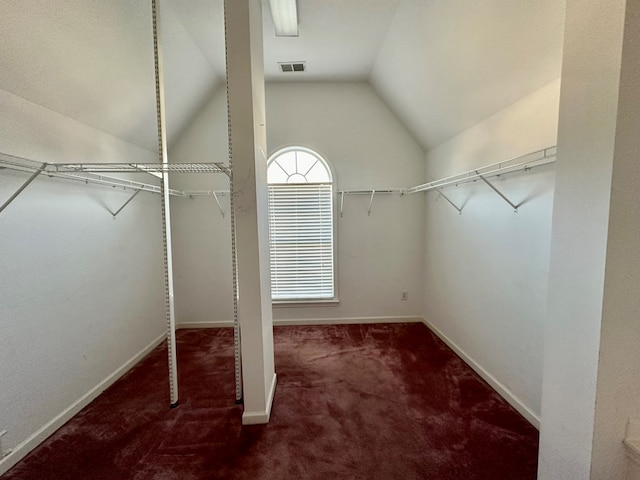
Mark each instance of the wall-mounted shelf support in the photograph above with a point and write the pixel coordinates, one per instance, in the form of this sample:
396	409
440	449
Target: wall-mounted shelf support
215	167
521	163
23	186
502	195
373	194
215	195
89	174
449	201
115	214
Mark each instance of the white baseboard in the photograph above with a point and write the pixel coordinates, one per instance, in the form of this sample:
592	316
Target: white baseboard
212	324
500	388
22	449
347	320
261	417
632	444
310	321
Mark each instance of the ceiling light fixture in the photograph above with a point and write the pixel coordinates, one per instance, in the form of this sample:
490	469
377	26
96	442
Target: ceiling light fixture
285	17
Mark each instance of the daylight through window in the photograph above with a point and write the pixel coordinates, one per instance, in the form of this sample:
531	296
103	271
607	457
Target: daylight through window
300	226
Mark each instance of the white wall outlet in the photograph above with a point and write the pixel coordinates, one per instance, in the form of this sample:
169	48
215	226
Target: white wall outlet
404	295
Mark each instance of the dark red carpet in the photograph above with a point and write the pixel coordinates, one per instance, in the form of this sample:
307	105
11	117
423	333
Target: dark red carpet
352	402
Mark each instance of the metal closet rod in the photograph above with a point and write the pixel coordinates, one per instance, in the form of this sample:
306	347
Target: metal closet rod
151	168
369	192
372	193
12	162
216	167
523	162
92	173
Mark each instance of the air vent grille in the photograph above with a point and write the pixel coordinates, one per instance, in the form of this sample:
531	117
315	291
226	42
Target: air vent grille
290	67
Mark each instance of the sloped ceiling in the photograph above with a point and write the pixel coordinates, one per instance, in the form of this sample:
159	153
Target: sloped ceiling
440	65
445	65
92	60
339	39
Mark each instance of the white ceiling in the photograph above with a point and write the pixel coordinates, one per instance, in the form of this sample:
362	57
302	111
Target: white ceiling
440	65
339	39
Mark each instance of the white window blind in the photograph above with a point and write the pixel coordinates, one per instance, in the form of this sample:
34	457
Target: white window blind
301	236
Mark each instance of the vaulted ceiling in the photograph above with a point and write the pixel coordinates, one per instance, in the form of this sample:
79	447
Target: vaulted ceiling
440	65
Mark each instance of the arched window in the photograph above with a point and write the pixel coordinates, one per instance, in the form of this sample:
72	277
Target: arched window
300	225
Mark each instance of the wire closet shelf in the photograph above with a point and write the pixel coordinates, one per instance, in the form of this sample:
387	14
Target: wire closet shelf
93	173
526	162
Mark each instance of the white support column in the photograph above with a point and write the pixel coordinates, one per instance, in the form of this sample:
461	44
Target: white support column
245	77
591	382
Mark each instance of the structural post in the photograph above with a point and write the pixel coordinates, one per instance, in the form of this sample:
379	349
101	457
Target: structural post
247	141
591	383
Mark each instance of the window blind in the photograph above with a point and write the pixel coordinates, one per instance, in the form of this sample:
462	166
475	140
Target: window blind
301	237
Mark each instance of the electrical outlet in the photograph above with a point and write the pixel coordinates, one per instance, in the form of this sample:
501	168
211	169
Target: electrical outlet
404	295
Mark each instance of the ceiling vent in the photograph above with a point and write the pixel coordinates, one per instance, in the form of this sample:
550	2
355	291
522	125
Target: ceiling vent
290	67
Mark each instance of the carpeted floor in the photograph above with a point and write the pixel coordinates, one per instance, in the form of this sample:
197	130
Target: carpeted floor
352	402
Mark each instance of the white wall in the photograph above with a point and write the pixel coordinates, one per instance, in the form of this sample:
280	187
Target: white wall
592	360
201	235
80	292
486	270
378	255
618	396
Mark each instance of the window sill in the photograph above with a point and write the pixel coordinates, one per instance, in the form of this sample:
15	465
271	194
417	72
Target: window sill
334	302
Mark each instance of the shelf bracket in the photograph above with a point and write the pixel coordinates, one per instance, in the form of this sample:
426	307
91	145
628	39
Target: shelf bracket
24	185
115	214
341	202
449	201
215	195
515	207
373	194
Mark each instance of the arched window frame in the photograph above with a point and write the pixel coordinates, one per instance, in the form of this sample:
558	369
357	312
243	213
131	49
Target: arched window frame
302	182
